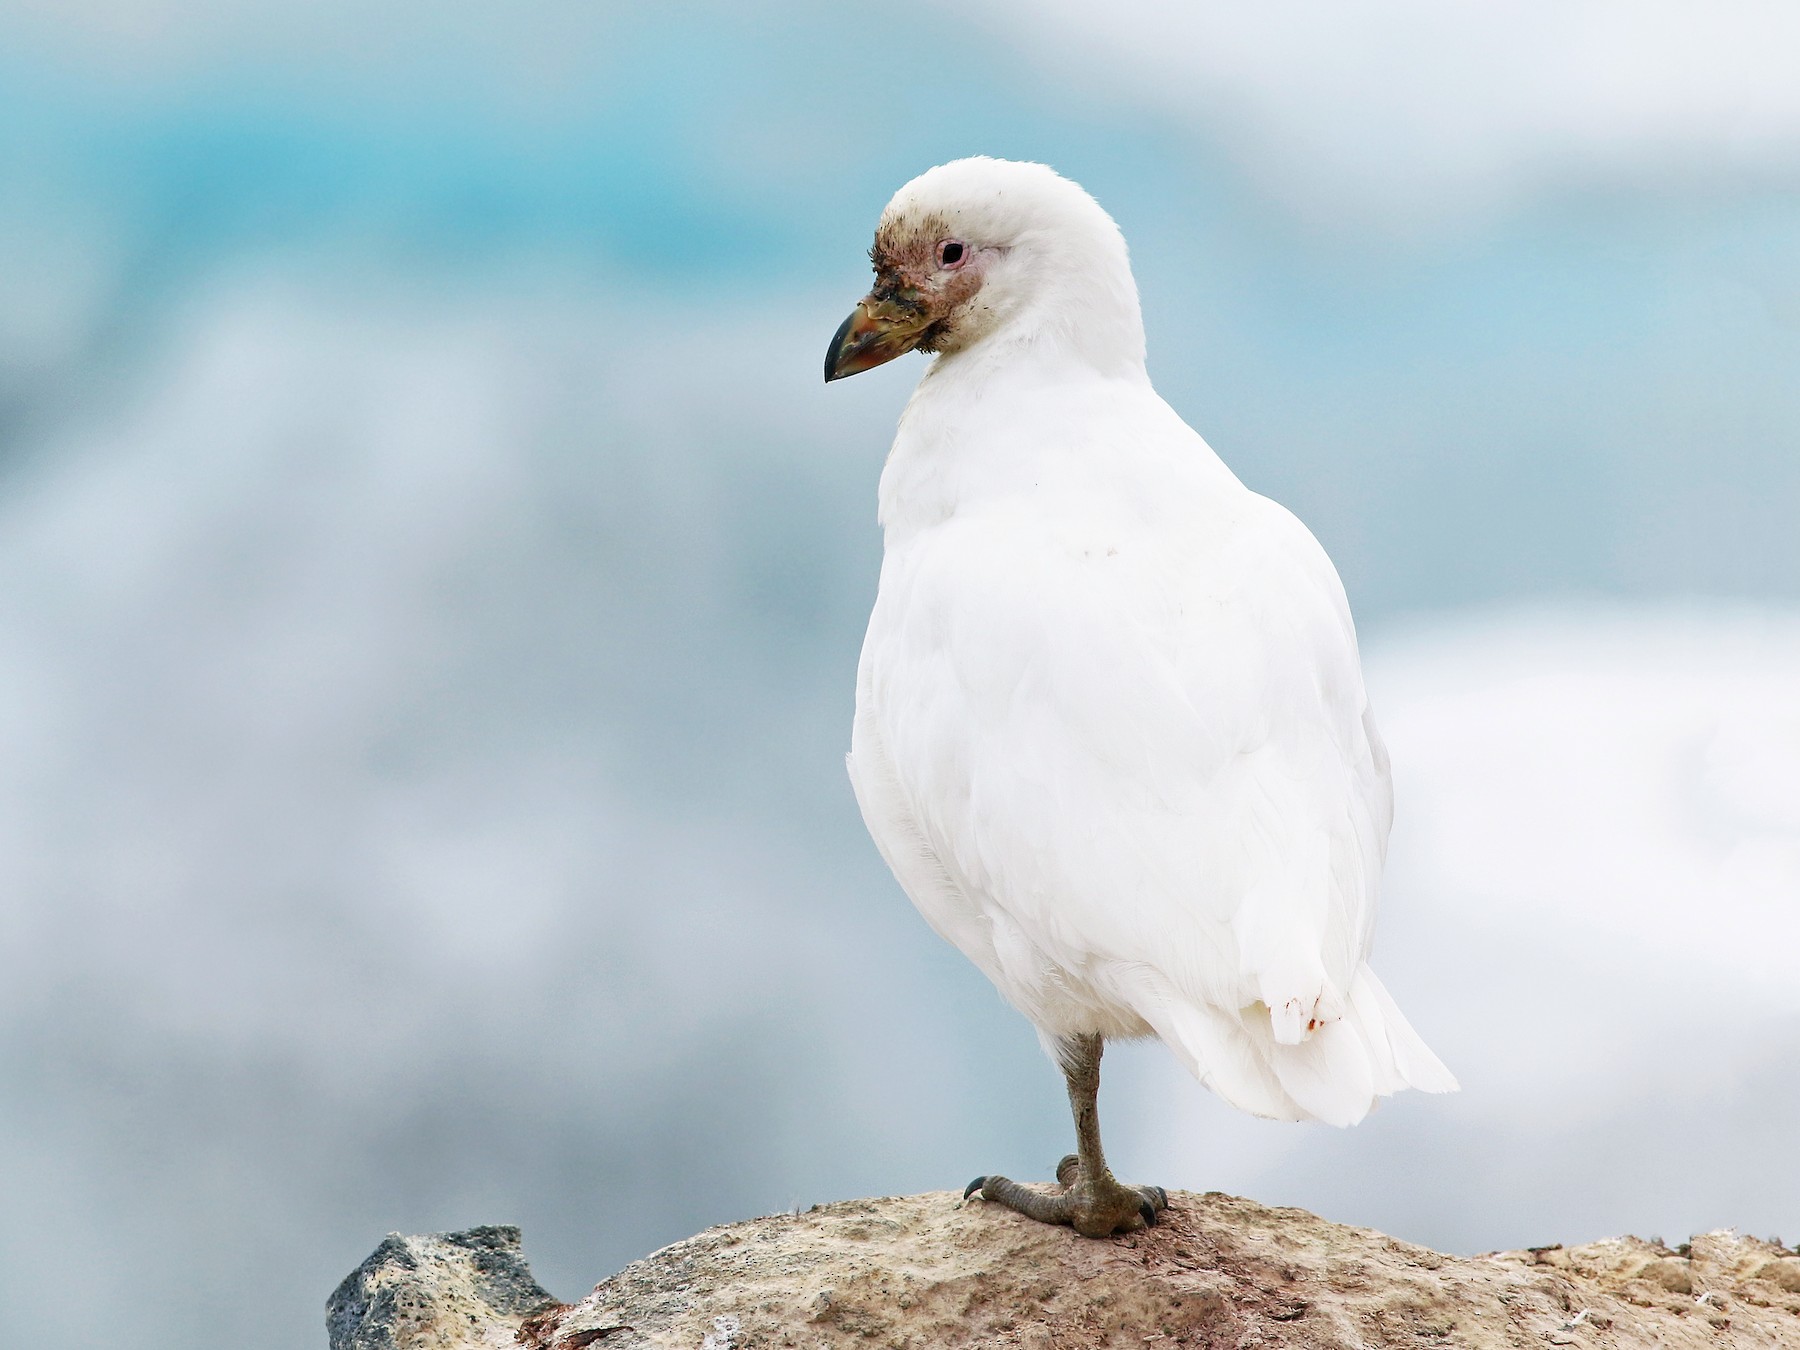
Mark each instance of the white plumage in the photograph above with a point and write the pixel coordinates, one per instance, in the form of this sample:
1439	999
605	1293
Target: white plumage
1111	734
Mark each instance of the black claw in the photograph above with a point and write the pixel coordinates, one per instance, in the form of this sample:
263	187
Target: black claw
1148	1210
974	1186
1162	1197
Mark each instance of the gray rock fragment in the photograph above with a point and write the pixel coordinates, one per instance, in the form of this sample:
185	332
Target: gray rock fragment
445	1291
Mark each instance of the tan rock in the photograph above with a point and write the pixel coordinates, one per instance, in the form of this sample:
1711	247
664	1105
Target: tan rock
933	1271
1783	1272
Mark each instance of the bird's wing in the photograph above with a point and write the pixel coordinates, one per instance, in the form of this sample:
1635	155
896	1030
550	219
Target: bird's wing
1146	751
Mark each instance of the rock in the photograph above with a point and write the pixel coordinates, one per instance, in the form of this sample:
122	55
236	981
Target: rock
934	1272
449	1291
1784	1271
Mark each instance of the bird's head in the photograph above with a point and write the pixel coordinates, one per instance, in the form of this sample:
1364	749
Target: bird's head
980	247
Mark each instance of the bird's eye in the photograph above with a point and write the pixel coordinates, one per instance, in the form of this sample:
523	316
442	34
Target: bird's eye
951	253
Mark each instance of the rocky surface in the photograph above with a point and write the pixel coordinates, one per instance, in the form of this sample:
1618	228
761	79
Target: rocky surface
936	1271
449	1291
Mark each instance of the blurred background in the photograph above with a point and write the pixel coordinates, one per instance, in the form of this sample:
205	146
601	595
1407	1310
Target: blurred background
432	574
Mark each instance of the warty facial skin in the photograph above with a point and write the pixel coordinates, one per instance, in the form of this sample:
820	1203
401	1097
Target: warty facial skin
1111	733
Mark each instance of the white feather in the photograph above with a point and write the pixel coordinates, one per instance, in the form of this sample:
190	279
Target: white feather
1111	734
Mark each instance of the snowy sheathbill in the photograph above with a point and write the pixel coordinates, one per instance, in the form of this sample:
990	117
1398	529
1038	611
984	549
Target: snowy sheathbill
1111	734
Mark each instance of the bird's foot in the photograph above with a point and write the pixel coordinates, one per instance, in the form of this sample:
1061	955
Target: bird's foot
1096	1206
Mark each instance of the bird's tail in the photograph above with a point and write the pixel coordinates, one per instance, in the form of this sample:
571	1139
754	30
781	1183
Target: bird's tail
1335	1072
1405	1058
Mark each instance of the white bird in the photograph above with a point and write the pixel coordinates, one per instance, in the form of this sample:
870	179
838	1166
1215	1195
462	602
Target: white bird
1111	734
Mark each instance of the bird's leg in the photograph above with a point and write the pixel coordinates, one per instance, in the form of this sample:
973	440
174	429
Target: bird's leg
1092	1201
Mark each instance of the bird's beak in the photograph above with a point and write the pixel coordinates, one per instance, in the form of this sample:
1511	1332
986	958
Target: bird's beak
878	330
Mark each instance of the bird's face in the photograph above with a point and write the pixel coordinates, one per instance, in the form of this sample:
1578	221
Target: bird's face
980	249
929	276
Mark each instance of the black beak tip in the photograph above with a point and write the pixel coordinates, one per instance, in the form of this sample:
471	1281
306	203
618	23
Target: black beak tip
834	353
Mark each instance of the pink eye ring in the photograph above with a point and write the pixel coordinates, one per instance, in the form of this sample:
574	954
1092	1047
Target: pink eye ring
951	254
